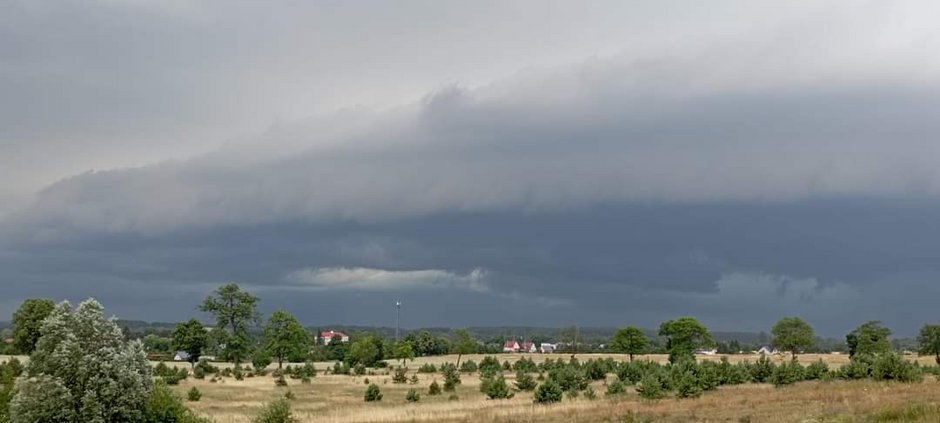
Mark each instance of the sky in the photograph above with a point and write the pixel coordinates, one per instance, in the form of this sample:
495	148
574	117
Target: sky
485	163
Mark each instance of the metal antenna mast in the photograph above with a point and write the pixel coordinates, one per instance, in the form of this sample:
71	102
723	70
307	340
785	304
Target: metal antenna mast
397	319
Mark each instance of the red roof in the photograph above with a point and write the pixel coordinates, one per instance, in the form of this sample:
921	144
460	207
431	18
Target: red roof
527	346
510	344
329	334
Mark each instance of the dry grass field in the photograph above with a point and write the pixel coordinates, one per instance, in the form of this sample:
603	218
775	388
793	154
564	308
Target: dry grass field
339	399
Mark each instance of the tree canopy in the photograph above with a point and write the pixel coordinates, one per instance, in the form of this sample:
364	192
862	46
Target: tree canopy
285	337
235	311
190	336
928	341
684	336
28	320
869	338
793	334
630	340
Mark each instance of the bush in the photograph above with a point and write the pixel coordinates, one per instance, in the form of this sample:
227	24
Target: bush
373	393
506	366
687	385
787	373
164	406
280	381
890	366
359	369
651	387
194	394
260	361
170	375
412	396
524	381
615	388
589	393
817	370
525	365
569	378
468	366
278	411
854	369
453	397
762	370
289	395
489	364
497	388
548	392
629	372
434	388
414	379
427	368
400	376
451	377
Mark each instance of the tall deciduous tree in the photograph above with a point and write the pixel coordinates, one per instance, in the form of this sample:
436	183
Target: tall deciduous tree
285	337
928	341
463	344
82	370
869	338
365	350
404	351
793	334
235	311
629	340
685	335
190	336
28	320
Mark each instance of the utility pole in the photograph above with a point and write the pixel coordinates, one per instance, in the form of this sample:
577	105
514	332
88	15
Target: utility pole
397	319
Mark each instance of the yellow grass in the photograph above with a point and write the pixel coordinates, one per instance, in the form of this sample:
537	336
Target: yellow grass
338	399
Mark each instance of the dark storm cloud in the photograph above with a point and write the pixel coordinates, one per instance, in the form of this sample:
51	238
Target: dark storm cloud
788	169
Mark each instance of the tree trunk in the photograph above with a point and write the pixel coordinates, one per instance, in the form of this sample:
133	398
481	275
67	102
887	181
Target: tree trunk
280	361
458	361
937	358
631	356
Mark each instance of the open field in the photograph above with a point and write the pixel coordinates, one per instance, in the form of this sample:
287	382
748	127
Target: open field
339	399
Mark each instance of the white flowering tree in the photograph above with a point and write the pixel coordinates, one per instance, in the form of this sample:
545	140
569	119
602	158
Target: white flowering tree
83	370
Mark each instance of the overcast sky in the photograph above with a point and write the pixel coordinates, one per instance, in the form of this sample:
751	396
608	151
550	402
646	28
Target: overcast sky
487	163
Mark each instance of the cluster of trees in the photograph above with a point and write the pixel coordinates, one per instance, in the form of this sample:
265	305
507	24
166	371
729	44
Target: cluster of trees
685	335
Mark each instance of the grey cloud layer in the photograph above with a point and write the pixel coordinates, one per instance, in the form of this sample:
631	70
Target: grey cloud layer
766	161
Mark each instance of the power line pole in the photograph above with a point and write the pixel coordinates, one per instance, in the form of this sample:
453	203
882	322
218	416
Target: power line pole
397	319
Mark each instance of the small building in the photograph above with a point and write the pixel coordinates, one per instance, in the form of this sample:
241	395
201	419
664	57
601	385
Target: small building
767	350
326	336
181	356
528	347
704	351
511	346
547	348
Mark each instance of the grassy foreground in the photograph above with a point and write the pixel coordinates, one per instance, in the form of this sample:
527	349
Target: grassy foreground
338	398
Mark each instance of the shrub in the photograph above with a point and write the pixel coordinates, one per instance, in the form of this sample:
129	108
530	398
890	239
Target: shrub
589	393
414	379
280	381
525	365
489	364
629	372
524	381
569	378
277	411
548	392
453	397
854	369
651	387
400	375
289	395
427	368
451	377
787	373
434	388
817	370
260	360
687	385
595	370
305	380
762	369
572	394
497	388
615	388
359	369
506	366
890	366
468	366
412	396
164	406
194	394
373	393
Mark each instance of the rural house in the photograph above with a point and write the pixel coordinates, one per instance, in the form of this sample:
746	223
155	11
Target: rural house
327	335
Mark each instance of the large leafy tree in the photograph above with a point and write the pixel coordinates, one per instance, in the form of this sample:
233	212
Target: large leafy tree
463	344
285	337
191	336
82	370
366	350
793	334
869	338
928	341
27	321
629	340
235	312
404	351
684	335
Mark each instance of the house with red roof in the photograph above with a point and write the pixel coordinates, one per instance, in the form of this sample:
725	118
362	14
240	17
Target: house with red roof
326	336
